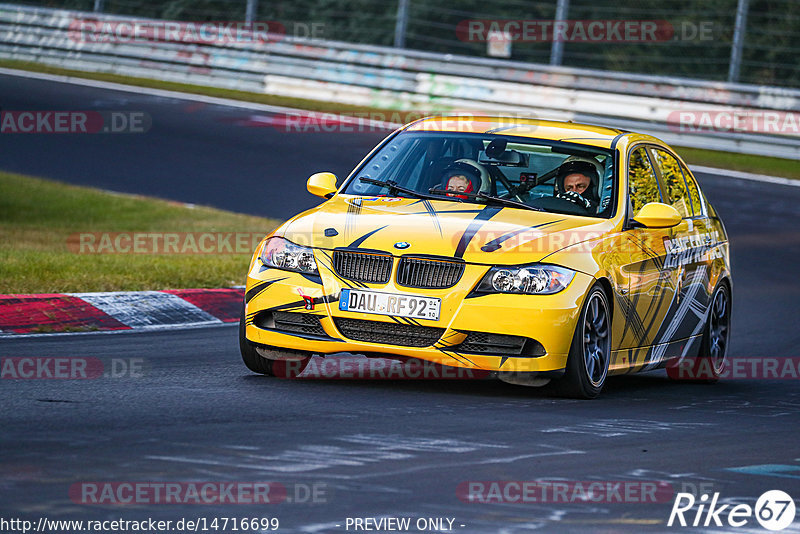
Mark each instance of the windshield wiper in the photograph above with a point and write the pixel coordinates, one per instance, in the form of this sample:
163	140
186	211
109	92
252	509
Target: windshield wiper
507	202
484	196
393	186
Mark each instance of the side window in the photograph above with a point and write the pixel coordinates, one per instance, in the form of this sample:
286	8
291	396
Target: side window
672	182
694	193
642	183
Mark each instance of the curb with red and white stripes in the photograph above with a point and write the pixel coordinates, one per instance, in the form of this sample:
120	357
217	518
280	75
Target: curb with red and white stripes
118	311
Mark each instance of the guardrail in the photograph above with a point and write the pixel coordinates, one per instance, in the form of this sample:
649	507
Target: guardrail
674	109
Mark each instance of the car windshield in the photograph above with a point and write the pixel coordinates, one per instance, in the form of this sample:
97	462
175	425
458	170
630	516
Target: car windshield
485	168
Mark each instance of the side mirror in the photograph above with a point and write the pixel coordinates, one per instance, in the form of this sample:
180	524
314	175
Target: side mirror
322	184
658	215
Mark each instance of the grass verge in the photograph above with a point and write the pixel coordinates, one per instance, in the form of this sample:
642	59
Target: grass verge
42	223
787	168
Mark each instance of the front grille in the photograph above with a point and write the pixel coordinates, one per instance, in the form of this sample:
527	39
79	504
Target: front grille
428	274
499	344
404	335
296	323
363	266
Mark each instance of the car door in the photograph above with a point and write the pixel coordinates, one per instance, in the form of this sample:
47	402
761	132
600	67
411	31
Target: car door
650	283
685	252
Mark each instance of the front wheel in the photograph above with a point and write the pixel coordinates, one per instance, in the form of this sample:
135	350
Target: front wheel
589	355
265	366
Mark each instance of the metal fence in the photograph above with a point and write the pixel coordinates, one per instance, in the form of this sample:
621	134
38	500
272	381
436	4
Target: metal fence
697	38
391	78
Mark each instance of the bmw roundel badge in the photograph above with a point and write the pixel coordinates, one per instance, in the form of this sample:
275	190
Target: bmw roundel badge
402	244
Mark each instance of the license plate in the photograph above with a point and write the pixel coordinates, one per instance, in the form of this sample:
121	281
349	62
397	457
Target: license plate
411	306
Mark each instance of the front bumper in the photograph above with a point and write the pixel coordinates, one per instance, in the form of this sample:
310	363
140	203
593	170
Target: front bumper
548	319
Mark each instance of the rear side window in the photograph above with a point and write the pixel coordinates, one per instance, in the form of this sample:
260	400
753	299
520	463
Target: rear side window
642	184
674	186
694	193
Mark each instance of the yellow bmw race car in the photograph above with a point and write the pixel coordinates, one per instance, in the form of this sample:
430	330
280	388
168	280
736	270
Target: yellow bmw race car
543	251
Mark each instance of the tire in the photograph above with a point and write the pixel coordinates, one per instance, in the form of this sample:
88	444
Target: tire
590	352
709	364
265	366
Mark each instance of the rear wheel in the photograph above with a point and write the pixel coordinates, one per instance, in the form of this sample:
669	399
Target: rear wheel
587	363
710	362
282	368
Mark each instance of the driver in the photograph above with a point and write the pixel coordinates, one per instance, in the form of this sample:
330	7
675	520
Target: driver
576	181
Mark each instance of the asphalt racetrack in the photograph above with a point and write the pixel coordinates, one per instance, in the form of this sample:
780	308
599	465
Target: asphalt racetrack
191	411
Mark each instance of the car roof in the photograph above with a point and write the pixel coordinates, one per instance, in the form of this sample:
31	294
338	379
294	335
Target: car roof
521	127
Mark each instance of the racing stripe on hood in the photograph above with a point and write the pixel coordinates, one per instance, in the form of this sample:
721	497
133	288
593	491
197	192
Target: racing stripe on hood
485	214
497	244
448	211
432	212
358	242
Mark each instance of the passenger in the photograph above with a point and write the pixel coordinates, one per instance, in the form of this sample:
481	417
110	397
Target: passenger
459	184
465	176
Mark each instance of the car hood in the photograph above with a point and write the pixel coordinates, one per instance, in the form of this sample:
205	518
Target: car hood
476	233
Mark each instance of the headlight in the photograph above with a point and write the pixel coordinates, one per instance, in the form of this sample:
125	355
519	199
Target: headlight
283	254
529	279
